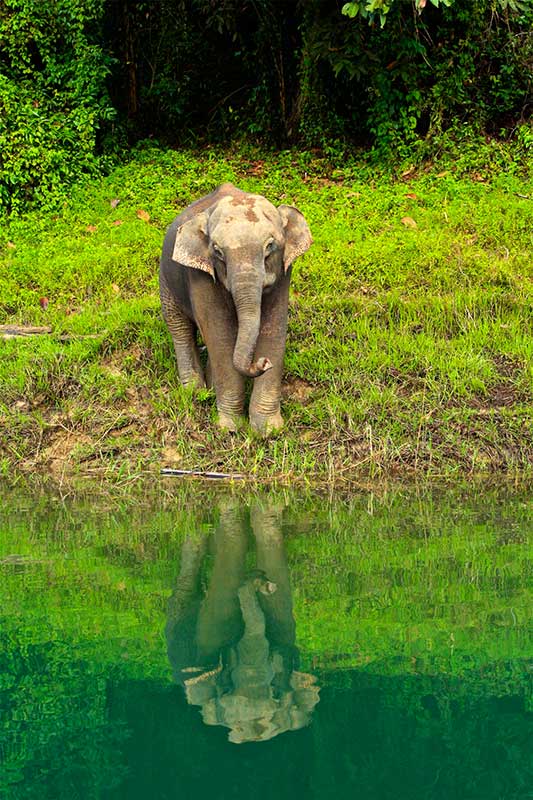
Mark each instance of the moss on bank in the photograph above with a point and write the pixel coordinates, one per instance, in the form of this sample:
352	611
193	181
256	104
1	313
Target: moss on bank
409	348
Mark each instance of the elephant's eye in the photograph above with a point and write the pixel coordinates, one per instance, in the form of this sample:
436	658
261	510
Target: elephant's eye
270	247
218	252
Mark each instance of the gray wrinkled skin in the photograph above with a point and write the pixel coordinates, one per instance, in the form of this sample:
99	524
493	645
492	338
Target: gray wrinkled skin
225	271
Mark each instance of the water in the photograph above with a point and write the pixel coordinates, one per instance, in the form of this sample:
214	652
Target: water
198	644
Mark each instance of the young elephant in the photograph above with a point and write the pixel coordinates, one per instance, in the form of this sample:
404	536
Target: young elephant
225	270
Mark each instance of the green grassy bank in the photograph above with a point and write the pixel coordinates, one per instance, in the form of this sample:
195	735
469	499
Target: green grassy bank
409	348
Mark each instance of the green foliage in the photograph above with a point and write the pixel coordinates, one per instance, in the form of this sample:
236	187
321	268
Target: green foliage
420	74
53	99
378	9
78	78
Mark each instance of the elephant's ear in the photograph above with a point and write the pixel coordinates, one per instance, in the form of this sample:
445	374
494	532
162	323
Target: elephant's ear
191	247
298	237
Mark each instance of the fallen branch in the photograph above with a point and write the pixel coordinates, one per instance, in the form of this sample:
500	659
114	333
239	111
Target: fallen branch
10	331
181	473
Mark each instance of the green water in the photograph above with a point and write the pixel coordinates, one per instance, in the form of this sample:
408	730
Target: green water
194	644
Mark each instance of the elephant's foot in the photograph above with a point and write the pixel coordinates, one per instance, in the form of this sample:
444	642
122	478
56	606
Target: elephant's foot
193	380
266	423
229	422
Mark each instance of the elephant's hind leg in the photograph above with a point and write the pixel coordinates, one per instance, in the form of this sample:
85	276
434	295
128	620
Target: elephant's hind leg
183	332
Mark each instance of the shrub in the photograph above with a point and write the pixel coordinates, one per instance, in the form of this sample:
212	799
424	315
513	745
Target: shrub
53	98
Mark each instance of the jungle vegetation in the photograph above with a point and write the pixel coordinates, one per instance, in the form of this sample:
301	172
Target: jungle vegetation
81	80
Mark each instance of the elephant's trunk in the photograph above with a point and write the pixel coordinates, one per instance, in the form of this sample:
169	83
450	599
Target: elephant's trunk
247	291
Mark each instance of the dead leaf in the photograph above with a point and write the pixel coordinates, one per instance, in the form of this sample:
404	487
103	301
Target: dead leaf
256	168
121	585
442	174
408	172
91	229
171	456
409	222
115	288
412	196
144	215
117	222
114	203
44	302
11	245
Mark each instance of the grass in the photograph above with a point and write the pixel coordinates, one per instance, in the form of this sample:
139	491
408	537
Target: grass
409	348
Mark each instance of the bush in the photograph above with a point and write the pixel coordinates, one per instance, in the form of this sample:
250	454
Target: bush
216	70
53	97
417	74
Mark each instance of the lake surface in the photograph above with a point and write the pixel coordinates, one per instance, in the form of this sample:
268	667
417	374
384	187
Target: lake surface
195	643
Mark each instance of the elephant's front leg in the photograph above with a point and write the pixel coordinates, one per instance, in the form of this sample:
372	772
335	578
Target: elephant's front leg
265	414
218	326
226	381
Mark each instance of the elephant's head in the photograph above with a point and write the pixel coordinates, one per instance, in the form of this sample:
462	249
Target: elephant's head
247	244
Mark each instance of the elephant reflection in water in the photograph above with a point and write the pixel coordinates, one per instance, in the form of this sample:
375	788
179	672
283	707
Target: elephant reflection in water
233	646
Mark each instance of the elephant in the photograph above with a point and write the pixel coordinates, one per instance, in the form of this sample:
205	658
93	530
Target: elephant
232	646
225	270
